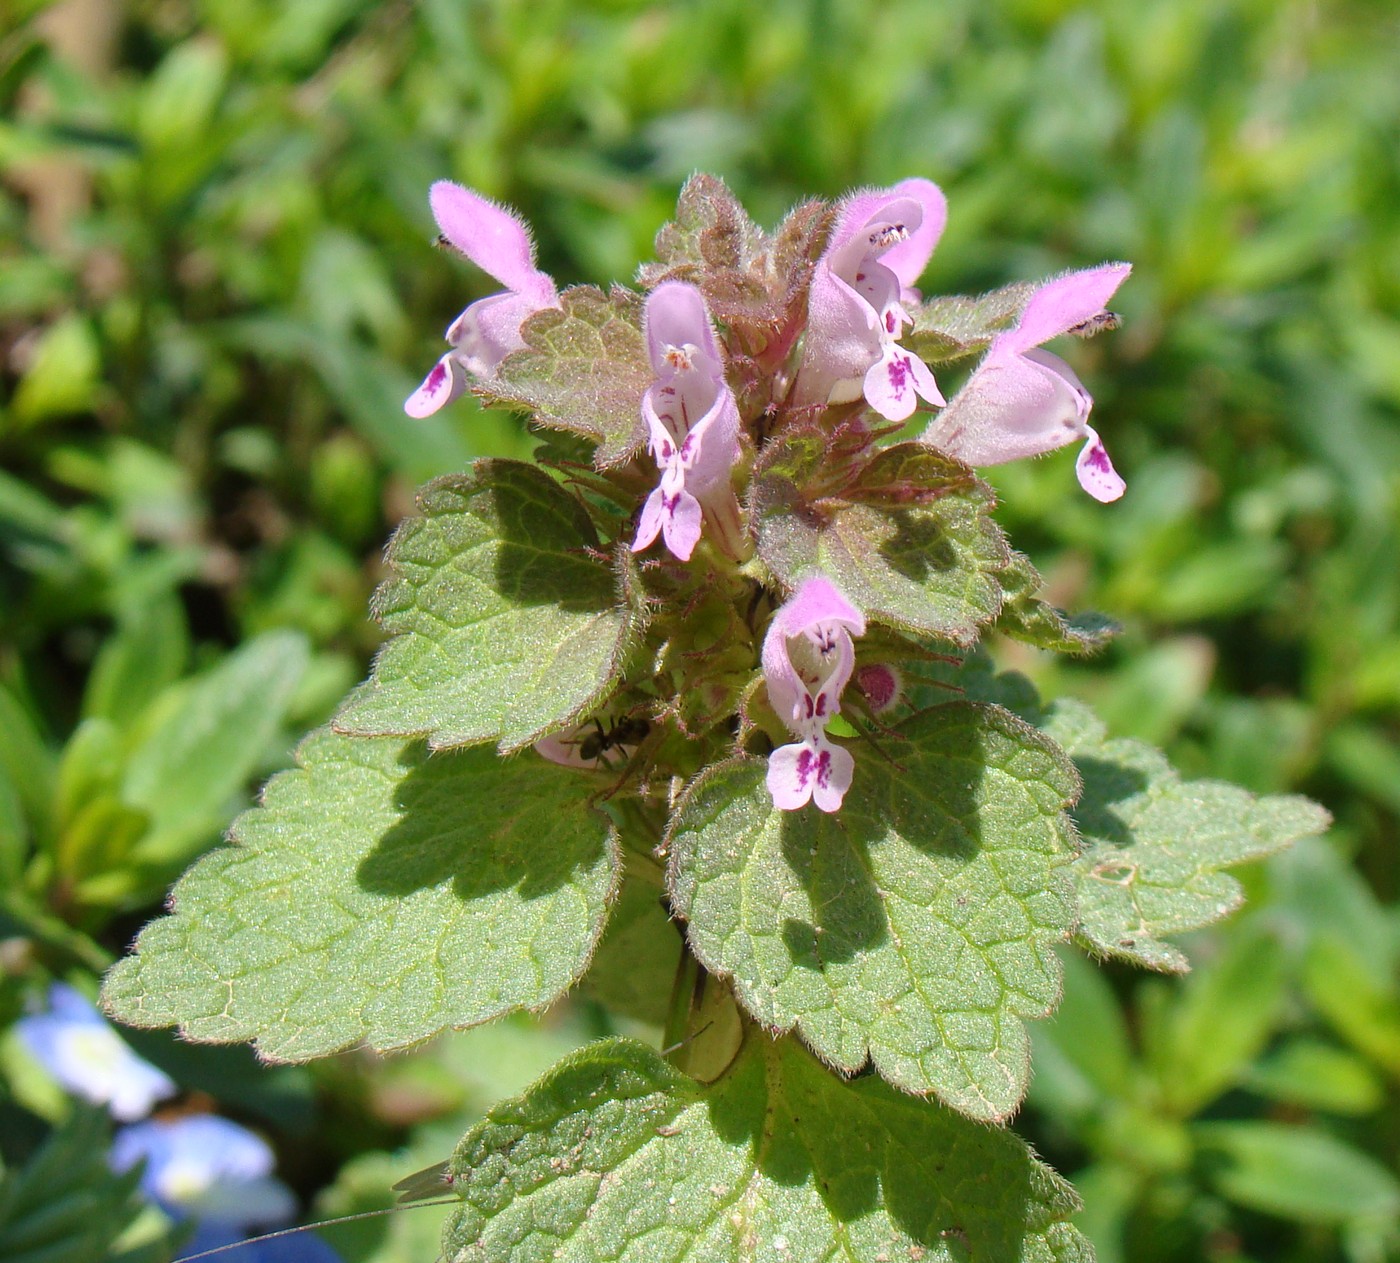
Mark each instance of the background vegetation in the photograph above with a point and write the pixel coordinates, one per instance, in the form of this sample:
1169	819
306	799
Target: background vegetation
217	285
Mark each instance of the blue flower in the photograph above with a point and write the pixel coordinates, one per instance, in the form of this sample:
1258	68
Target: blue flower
79	1047
218	1174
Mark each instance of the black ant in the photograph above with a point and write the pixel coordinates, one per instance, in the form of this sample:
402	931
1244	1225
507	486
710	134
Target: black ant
628	731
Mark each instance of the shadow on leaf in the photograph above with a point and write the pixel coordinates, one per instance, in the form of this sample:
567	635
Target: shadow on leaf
486	825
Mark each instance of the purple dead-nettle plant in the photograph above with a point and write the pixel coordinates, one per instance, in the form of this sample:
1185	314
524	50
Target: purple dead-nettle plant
692	711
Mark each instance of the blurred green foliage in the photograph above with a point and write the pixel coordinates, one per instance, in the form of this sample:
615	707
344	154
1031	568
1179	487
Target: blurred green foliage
217	286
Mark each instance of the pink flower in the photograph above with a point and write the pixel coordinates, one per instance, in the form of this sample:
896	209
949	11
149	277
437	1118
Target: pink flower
855	316
808	657
1022	401
498	242
692	419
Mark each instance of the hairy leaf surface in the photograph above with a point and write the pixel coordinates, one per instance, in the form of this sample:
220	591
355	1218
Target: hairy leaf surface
914	927
1027	617
584	369
615	1154
955	326
504	629
379	895
1156	846
912	544
754	283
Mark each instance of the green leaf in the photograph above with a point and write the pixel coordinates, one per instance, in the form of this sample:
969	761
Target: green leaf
14	831
146	653
368	388
954	327
30	765
1026	617
1221	1019
1344	989
584	369
911	544
1297	1173
1156	845
66	1205
1110	1191
63	374
205	741
503	627
1082	1055
1317	1076
914	926
636	962
379	896
753	283
616	1154
714	244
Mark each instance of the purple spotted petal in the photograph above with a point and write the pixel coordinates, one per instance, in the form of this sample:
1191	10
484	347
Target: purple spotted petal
497	241
817	617
680	522
692	423
711	448
811	770
1096	473
676	516
881	243
896	381
444	382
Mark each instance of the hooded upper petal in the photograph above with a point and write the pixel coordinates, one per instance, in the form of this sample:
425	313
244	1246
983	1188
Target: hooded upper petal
1061	303
692	419
808	656
881	243
675	318
493	237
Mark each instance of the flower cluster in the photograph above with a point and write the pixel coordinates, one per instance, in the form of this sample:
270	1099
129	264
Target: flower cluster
498	242
843	354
